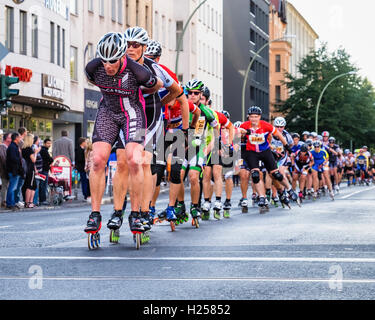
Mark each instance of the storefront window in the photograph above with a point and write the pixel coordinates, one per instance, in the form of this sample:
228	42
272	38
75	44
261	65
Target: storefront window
48	126
12	123
4	123
34	126
90	129
41	126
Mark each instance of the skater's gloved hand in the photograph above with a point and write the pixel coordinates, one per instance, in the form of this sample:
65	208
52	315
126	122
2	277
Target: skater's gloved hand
287	148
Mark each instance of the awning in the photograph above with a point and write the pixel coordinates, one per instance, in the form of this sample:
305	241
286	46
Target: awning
40	102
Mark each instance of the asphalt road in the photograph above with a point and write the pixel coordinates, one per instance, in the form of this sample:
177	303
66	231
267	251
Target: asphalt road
324	250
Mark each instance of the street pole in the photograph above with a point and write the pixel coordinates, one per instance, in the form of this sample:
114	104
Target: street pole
322	93
183	33
249	68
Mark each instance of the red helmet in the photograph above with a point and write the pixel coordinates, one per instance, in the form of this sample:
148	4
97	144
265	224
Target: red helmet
325	134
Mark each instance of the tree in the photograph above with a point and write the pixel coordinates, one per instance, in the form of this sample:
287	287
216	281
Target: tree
347	109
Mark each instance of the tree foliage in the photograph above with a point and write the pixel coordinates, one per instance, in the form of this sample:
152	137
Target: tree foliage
347	109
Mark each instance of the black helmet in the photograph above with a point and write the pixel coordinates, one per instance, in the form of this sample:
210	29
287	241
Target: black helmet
254	110
309	142
227	114
304	148
206	92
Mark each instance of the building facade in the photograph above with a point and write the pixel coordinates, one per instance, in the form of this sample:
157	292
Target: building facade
305	37
36	33
280	55
201	54
106	16
245	31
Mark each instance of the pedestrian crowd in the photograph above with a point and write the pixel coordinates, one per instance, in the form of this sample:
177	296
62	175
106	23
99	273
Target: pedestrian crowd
25	163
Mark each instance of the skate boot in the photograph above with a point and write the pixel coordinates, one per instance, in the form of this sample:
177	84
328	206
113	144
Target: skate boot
275	201
152	214
180	211
268	195
162	216
301	196
195	214
263	205
244	205
315	196
254	199
206	210
217	208
94	223
146	220
227	207
284	199
92	229
171	217
332	195
135	223
116	220
294	196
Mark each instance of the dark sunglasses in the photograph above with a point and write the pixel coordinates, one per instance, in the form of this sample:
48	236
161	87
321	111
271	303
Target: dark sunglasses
194	93
135	45
110	62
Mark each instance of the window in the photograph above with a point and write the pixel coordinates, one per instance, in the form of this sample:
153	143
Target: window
74	7
90	5
34	36
58	45
137	13
278	94
163	31
252	93
147	20
101	8
63	48
252	36
127	13
52	42
278	63
23	32
90	51
156	26
113	10
179	28
180	78
252	7
9	28
73	63
120	19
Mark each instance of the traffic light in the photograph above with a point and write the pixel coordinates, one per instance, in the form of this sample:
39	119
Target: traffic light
5	92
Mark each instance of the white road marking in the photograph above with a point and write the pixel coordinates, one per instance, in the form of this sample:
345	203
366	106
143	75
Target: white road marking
224	259
352	194
4	227
104	278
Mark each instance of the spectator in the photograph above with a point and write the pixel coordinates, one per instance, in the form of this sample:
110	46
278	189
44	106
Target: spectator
7	139
39	168
80	163
23	132
63	147
30	156
47	161
14	169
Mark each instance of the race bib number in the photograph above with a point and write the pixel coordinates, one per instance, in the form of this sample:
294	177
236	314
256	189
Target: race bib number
361	161
257	139
199	128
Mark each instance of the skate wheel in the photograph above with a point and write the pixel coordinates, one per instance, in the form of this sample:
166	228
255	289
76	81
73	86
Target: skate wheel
145	237
114	236
196	223
93	241
193	222
137	240
226	214
173	226
244	210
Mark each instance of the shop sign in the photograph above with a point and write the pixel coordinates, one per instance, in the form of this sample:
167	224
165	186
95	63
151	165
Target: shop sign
52	87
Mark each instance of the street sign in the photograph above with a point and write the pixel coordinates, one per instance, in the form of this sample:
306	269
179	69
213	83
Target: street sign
3	51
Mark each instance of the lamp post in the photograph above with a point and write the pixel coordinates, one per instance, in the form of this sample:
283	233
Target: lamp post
183	33
322	93
249	68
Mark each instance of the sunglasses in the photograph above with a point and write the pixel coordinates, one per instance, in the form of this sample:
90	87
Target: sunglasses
280	127
110	62
196	93
135	45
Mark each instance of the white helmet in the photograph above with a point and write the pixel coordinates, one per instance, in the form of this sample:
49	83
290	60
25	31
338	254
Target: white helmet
279	122
136	34
112	46
153	48
237	124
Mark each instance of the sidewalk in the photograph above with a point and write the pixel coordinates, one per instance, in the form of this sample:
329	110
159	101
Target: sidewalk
75	203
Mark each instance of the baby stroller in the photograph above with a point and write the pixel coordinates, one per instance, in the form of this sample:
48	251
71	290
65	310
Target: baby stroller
56	191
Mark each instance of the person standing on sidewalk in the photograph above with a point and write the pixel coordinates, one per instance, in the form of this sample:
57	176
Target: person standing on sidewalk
14	169
80	163
3	170
21	204
30	156
39	167
64	147
47	161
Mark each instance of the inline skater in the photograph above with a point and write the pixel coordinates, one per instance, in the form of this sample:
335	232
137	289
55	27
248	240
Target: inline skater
362	165
321	159
349	161
137	41
302	161
120	80
333	153
258	149
281	156
201	144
